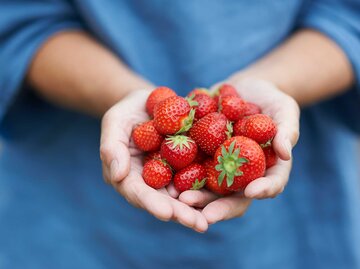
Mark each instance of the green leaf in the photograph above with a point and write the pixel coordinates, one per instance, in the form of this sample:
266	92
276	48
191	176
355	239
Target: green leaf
198	185
219	167
229	128
191	101
243	160
231	148
187	122
221	178
229	180
237	153
223	151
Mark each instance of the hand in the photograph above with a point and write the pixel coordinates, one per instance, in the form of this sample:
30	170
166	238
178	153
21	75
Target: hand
122	165
285	112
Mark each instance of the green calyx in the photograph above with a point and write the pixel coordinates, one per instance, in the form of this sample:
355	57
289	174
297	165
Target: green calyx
187	122
267	144
180	141
229	163
204	90
229	128
191	101
197	185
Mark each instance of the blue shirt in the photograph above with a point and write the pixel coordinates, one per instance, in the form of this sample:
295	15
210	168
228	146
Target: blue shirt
55	210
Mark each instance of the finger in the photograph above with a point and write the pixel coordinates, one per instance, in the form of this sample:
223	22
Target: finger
188	216
197	198
172	191
106	174
137	193
201	225
157	202
272	184
226	208
287	119
114	142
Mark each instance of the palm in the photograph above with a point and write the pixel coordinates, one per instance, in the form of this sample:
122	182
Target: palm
285	112
126	177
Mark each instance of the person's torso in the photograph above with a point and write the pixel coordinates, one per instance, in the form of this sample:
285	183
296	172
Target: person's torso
53	199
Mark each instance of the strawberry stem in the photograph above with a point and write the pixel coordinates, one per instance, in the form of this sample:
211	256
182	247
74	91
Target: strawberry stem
229	163
187	122
229	128
197	185
179	141
191	101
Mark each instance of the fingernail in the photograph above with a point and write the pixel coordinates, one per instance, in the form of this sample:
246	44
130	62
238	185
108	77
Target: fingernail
113	169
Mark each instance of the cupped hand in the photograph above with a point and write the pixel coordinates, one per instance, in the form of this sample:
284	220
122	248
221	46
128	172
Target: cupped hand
285	112
122	165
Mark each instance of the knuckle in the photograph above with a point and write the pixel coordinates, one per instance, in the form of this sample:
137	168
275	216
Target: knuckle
295	136
105	151
292	103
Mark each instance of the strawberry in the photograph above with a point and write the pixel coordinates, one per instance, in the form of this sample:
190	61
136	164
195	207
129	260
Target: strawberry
232	107
258	127
157	174
239	127
270	156
192	177
210	132
146	138
179	151
200	156
212	179
155	155
251	109
239	160
173	115
197	91
205	105
226	90
156	96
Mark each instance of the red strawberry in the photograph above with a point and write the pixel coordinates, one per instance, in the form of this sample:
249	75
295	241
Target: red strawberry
192	177
258	127
179	151
155	155
146	137
270	156
197	91
252	109
157	174
173	115
205	105
239	160
232	107
156	96
239	127
210	132
226	90
200	156
212	179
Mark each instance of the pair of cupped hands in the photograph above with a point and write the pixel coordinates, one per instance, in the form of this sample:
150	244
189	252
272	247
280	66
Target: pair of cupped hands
196	209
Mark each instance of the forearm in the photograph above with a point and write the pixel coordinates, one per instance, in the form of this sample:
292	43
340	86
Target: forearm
73	70
309	67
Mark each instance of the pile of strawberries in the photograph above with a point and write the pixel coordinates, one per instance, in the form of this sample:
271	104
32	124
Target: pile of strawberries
217	141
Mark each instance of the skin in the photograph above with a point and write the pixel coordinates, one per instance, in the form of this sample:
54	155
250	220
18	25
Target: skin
74	71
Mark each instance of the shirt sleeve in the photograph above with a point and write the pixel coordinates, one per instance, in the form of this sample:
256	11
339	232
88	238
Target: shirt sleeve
340	21
24	27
